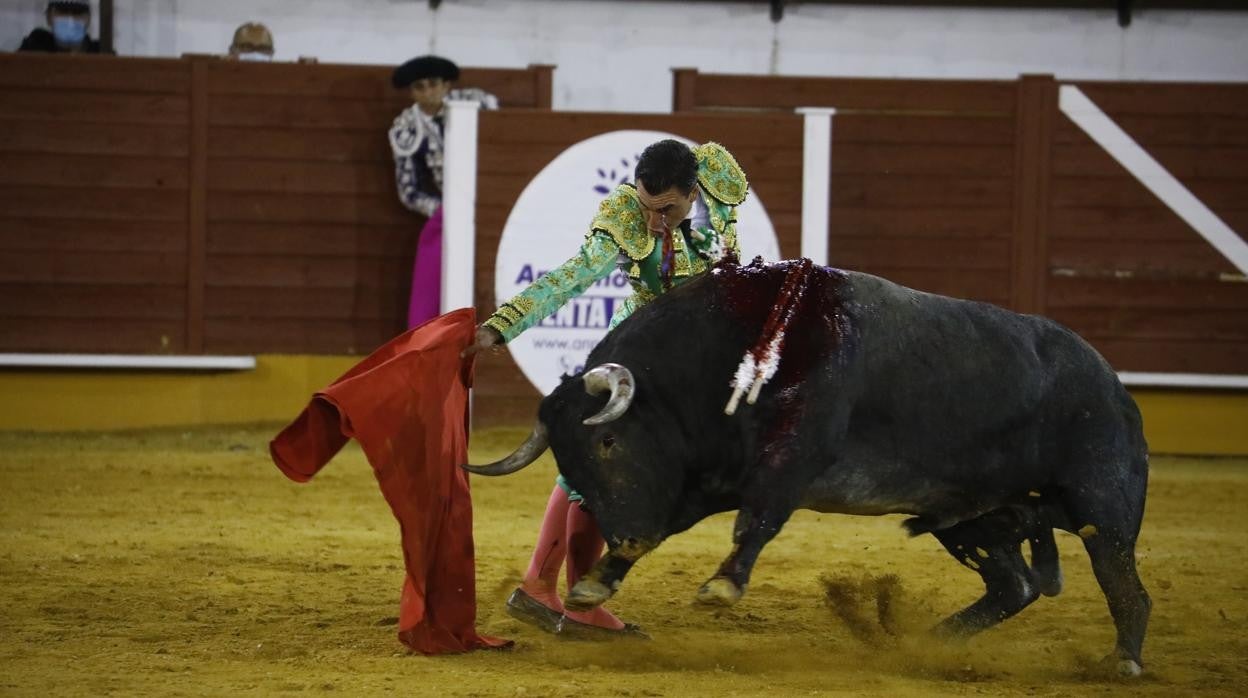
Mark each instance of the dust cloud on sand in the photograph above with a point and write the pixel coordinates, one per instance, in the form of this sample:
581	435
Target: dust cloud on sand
180	562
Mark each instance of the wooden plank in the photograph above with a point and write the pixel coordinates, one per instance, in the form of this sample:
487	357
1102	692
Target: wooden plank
922	253
983	285
780	92
1203	130
567	128
358	209
320	80
1192	257
301	112
101	204
1170	294
1122	323
90	336
257	303
1034	115
934	222
304	177
524	88
1127	225
684	87
1127	192
1182	161
314	239
991	160
78	105
94	73
304	144
515	87
906	191
543	87
925	129
300	272
296	336
769	166
71	267
93	139
78	235
197	207
1118	98
104	171
1174	356
78	300
517	157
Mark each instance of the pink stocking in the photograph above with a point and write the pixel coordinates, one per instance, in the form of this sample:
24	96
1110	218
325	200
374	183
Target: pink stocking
585	545
542	580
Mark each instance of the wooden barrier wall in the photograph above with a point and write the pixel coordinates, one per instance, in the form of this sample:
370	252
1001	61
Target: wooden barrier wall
199	206
206	206
984	189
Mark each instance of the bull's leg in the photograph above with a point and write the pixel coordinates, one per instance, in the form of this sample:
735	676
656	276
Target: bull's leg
750	534
1044	561
1009	584
767	503
1113	563
1108	518
600	583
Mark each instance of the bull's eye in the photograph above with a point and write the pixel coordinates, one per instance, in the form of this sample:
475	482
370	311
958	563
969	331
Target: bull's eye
608	441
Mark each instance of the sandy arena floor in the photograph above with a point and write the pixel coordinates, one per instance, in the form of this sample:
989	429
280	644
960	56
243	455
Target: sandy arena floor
180	562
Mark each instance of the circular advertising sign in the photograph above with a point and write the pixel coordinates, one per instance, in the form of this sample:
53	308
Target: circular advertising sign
548	224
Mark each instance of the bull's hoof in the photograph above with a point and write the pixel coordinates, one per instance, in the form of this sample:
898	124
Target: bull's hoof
586	595
719	591
1123	666
1128	668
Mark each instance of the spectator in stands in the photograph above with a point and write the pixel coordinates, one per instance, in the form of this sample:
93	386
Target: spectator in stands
68	22
252	42
416	141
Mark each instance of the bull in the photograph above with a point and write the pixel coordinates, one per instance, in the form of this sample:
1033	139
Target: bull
987	427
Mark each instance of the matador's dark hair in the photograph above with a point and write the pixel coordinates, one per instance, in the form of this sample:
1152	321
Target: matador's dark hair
666	164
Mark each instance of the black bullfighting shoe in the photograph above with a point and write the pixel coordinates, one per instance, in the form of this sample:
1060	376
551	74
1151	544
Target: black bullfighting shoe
576	630
525	608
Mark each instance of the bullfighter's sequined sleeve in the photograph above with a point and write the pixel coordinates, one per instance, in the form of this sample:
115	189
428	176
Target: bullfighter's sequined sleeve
594	261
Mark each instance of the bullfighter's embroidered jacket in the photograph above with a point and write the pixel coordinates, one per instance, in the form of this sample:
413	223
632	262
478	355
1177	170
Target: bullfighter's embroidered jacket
618	237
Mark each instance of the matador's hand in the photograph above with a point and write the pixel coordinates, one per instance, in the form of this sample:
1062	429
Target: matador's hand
487	337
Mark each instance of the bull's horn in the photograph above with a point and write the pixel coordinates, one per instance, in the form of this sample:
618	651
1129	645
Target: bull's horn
528	452
617	379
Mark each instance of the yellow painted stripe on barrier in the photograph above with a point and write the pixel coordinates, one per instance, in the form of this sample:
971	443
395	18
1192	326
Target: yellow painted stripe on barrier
1198	422
1175	421
60	400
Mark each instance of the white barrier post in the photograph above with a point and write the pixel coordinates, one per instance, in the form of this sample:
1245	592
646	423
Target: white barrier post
816	181
459	203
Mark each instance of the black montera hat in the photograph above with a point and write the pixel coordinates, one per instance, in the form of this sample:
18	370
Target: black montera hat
424	67
73	7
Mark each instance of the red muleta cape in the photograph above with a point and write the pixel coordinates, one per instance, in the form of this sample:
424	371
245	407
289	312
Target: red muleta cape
407	405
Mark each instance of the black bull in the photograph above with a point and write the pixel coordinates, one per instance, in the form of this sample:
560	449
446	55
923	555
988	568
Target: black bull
987	427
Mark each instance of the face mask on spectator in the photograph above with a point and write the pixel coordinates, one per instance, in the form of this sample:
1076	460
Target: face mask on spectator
69	30
254	56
